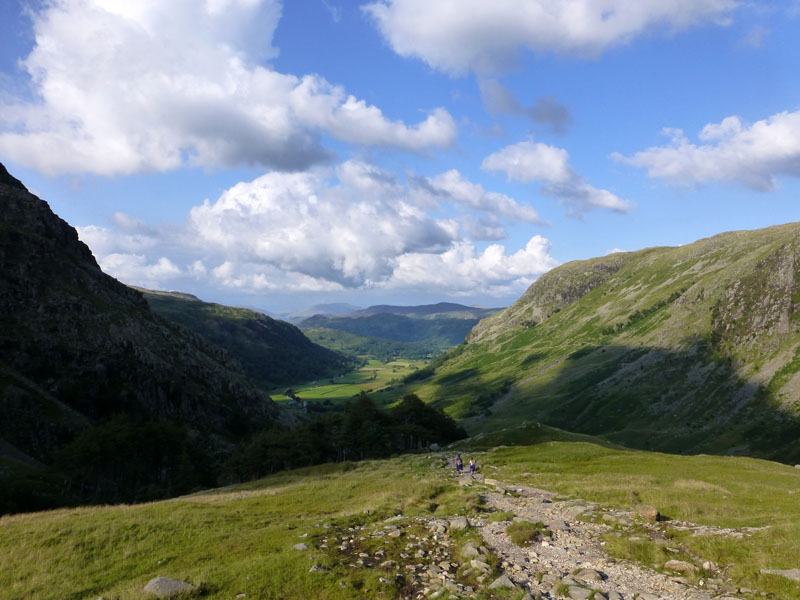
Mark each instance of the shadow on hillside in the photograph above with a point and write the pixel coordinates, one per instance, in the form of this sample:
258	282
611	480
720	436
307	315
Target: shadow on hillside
647	398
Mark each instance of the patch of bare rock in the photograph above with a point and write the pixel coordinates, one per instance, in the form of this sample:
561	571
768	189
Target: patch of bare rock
460	557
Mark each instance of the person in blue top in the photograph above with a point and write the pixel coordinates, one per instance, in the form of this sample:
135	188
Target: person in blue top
459	464
471	466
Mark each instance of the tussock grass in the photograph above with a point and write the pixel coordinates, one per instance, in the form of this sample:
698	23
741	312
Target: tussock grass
524	533
499	517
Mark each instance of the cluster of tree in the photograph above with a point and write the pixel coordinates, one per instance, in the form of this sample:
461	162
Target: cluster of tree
124	459
362	430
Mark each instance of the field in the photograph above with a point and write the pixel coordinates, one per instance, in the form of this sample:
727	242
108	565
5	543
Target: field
240	540
373	378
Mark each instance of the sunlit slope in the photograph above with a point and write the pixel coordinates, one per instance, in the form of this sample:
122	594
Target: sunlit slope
693	348
242	540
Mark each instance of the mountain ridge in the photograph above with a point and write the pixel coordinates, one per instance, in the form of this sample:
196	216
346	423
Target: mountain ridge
79	351
272	352
693	348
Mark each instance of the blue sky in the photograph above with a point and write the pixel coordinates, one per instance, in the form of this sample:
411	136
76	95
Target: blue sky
280	155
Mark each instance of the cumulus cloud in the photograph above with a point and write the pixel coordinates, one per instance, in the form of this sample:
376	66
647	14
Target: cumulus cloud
136	269
534	161
752	155
474	35
352	227
452	186
125	87
463	270
547	111
298	223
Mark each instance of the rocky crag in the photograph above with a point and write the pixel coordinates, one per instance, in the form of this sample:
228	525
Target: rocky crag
78	347
687	349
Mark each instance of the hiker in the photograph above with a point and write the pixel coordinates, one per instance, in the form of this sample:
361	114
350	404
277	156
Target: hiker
459	464
471	466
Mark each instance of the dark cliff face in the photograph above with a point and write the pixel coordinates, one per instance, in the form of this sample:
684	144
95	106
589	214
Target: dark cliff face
77	346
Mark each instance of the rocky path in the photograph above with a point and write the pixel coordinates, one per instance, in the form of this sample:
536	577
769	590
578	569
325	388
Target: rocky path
447	558
572	563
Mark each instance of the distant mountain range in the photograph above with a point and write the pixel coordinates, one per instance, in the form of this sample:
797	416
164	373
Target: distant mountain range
688	349
335	308
411	331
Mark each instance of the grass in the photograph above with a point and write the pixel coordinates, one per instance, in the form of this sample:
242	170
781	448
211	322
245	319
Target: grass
665	378
239	539
524	533
229	541
374	377
730	492
499	517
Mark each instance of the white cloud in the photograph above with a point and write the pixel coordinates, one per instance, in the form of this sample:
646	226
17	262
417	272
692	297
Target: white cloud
299	223
135	269
127	87
462	35
752	155
463	270
452	186
328	230
529	161
534	161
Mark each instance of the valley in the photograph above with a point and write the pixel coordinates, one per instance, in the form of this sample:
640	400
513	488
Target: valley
273	461
374	377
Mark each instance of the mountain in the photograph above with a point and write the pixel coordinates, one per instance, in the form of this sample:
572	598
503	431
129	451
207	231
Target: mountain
687	349
440	310
334	308
271	352
85	365
423	330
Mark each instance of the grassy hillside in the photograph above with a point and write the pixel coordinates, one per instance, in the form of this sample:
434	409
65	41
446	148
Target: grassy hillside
364	345
695	348
434	334
271	352
240	540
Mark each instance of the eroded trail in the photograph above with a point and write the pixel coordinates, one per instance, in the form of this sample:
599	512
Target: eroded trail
573	562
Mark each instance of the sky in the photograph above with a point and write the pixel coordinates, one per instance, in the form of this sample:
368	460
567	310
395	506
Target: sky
279	155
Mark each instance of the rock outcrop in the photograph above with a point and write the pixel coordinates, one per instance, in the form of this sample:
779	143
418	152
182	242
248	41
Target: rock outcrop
78	346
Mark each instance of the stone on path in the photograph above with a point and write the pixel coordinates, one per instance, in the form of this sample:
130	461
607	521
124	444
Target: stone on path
164	587
580	593
588	575
793	574
470	551
612	595
681	566
648	512
458	523
502	582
